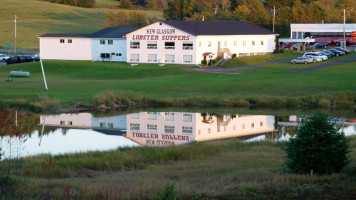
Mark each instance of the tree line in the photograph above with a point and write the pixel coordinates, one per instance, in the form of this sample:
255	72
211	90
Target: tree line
254	11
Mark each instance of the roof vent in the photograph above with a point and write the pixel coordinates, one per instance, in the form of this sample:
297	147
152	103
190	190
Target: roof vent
160	23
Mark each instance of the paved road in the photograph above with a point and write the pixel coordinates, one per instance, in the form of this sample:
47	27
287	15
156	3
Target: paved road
221	70
324	65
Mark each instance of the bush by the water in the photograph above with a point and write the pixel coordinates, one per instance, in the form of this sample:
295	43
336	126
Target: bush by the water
318	145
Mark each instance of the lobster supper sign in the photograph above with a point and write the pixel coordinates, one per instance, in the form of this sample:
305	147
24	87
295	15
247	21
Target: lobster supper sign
160	34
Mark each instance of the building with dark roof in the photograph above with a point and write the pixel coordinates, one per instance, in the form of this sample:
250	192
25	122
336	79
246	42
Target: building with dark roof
196	42
107	44
166	41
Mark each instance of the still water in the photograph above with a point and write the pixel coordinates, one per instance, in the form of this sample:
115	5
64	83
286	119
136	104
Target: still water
82	132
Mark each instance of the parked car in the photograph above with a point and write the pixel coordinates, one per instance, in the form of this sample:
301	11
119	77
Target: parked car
22	59
29	58
36	57
315	59
329	52
12	60
302	60
320	45
287	45
342	49
325	54
3	57
317	54
337	53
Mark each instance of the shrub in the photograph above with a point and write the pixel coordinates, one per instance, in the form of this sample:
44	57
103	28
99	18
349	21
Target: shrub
203	62
318	145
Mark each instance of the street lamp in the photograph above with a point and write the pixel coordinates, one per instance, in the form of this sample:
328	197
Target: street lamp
344	44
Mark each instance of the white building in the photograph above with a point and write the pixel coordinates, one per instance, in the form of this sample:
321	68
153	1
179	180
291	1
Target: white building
300	31
190	42
105	45
177	128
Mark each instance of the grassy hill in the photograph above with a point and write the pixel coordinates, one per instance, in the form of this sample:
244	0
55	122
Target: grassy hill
38	17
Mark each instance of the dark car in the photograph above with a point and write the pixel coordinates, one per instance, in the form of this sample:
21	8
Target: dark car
21	59
36	57
342	49
29	58
329	52
12	60
320	45
325	54
337	53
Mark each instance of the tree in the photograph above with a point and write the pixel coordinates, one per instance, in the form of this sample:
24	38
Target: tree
318	145
125	4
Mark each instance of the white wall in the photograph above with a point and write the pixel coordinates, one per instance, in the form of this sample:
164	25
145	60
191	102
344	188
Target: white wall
118	47
52	49
235	43
78	120
160	51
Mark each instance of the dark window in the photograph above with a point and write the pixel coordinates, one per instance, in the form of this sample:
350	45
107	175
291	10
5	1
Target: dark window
61	40
113	54
105	55
110	42
169	45
102	41
69	40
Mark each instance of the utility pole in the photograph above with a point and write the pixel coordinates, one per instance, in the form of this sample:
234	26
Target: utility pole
344	46
274	16
15	34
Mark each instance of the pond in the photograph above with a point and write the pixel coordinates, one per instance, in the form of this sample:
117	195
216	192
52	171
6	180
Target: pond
83	132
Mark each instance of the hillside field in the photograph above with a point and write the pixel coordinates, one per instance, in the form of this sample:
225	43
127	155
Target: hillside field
37	17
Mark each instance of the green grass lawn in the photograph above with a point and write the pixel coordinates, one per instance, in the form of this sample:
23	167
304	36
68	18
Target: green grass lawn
251	60
38	17
79	81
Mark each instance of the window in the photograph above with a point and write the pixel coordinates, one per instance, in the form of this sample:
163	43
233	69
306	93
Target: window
235	43
110	42
135	57
134	45
169	116
152	115
151	128
119	54
294	35
253	42
169	45
102	42
252	125
300	35
244	43
187	130
61	40
151	44
211	56
261	123
113	54
70	123
225	43
168	129
63	122
243	126
110	125
152	58
209	130
209	44
70	41
187	58
262	42
102	124
135	115
134	127
187	117
104	55
187	45
169	58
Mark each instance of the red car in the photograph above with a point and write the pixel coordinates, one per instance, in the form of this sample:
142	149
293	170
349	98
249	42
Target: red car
287	45
344	50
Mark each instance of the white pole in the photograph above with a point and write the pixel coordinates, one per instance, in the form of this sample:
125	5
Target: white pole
344	29
43	125
274	16
44	77
15	34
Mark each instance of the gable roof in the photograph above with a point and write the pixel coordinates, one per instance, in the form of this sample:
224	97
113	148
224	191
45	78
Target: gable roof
218	27
111	32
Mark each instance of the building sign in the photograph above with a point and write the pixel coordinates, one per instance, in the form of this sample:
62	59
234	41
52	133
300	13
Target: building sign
160	34
154	139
